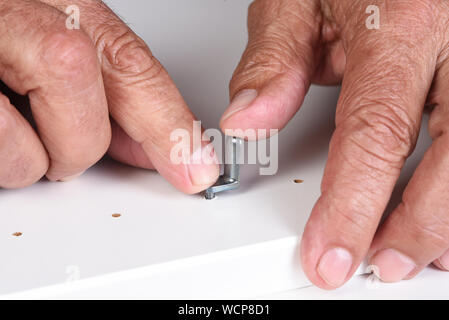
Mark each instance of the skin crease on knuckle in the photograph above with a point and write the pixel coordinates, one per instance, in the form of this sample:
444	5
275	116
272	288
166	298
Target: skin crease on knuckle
271	60
129	55
380	133
270	52
131	64
387	130
376	123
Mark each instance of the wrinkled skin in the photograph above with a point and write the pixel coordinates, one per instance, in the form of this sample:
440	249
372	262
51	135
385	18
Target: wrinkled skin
388	75
99	89
76	81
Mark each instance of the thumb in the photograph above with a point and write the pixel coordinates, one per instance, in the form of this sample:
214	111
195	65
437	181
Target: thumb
275	72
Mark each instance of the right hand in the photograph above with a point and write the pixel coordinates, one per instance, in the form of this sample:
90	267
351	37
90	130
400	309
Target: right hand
387	75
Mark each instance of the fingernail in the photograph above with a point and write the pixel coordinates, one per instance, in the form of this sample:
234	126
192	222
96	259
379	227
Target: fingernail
241	101
393	266
69	178
444	260
203	172
334	266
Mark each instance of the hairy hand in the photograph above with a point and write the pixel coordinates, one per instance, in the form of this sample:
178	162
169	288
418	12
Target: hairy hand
388	74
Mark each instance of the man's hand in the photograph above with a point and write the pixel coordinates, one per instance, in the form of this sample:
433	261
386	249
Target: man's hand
387	75
75	80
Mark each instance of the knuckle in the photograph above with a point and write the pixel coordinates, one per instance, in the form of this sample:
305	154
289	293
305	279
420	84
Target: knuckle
415	14
428	230
412	15
266	55
274	47
409	22
126	53
265	58
381	128
67	54
353	218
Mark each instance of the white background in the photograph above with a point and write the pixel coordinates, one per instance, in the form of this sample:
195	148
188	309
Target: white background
166	244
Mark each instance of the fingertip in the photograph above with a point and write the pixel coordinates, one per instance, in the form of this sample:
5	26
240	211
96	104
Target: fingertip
332	247
191	175
334	266
203	169
311	249
327	269
392	265
202	177
194	179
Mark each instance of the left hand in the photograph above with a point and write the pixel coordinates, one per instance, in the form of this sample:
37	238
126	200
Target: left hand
93	86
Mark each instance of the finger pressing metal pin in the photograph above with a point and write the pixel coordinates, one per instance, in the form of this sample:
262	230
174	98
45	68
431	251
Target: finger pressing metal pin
230	178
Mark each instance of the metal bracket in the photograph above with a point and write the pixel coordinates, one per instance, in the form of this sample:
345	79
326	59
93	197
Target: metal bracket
230	178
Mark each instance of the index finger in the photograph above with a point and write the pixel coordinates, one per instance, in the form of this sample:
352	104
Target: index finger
142	97
378	119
